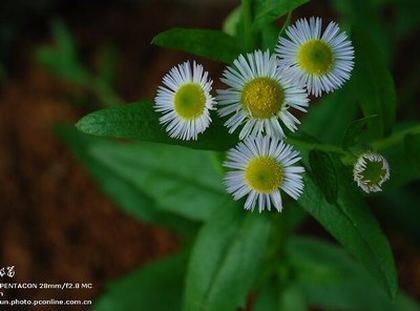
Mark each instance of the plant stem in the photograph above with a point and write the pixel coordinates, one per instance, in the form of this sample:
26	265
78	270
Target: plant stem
312	145
247	22
378	145
395	138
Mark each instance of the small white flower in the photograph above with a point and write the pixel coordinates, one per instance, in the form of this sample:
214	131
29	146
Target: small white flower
321	62
261	167
184	101
371	171
259	96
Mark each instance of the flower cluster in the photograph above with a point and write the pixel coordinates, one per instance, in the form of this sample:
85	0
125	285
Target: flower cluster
264	92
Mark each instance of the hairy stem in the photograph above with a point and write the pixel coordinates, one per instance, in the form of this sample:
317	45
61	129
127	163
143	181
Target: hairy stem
395	138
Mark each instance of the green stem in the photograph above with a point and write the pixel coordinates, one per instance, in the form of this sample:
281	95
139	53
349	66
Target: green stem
275	249
395	138
378	145
311	145
247	19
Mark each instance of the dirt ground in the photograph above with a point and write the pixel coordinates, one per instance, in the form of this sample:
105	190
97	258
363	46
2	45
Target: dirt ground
55	224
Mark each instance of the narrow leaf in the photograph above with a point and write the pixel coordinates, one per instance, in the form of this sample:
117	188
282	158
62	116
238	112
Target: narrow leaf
155	286
269	37
267	11
399	209
330	279
275	298
324	174
62	58
361	13
121	190
225	259
213	44
374	84
139	121
107	64
337	109
181	181
231	23
352	224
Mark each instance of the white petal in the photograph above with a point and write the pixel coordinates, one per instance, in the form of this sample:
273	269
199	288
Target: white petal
303	31
176	125
253	147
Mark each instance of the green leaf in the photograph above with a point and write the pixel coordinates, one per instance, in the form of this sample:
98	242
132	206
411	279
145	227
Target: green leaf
120	189
352	224
139	121
399	209
412	147
181	181
292	299
156	286
231	23
323	171
269	37
331	280
354	131
62	58
273	298
63	61
403	169
212	44
267	11
337	109
107	66
270	33
374	84
361	13
268	298
225	259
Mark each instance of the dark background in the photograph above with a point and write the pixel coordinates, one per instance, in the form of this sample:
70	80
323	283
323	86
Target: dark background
55	225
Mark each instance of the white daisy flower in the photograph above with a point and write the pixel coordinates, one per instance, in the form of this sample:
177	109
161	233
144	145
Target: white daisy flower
184	101
370	171
262	166
321	62
259	96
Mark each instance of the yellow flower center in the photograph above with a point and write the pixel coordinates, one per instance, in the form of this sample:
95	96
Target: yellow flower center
190	101
373	173
264	174
315	57
262	97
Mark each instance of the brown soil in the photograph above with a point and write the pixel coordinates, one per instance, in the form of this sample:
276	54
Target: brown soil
56	226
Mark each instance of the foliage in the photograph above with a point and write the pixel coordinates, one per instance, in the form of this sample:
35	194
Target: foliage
62	60
230	252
